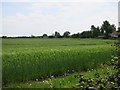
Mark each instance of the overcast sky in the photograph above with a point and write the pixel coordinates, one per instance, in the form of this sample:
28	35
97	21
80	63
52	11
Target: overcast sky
26	17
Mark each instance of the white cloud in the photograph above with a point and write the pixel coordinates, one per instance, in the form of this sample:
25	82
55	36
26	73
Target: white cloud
68	18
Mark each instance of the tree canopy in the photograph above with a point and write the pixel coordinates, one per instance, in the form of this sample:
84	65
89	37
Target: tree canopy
66	34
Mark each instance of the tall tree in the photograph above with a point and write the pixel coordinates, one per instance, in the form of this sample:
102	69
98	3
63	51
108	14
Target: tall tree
107	28
57	34
95	31
102	31
44	35
118	29
113	28
66	34
98	30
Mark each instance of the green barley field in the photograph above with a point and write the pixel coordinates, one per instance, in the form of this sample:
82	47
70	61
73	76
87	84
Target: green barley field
34	58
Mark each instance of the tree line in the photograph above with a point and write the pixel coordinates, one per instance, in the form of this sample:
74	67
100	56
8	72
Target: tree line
104	31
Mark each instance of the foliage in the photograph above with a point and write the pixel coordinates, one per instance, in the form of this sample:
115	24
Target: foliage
95	31
66	34
107	28
44	35
78	35
57	34
118	29
111	82
4	36
86	34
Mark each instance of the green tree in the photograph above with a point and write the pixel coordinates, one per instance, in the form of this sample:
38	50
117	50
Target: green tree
102	31
78	35
4	36
98	30
44	35
66	34
95	31
86	34
118	29
107	28
57	34
113	27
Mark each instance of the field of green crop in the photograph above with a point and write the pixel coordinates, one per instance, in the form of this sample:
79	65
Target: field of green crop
30	59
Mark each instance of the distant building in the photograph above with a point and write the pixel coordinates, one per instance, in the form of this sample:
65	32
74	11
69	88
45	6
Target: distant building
101	36
114	34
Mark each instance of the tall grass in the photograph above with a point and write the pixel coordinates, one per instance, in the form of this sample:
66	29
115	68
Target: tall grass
24	64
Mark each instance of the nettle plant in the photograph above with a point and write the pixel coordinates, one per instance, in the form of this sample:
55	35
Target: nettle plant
109	80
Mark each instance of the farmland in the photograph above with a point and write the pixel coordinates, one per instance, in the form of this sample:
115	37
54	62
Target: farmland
30	59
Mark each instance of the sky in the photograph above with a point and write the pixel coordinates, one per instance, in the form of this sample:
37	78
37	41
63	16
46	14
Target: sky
30	17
